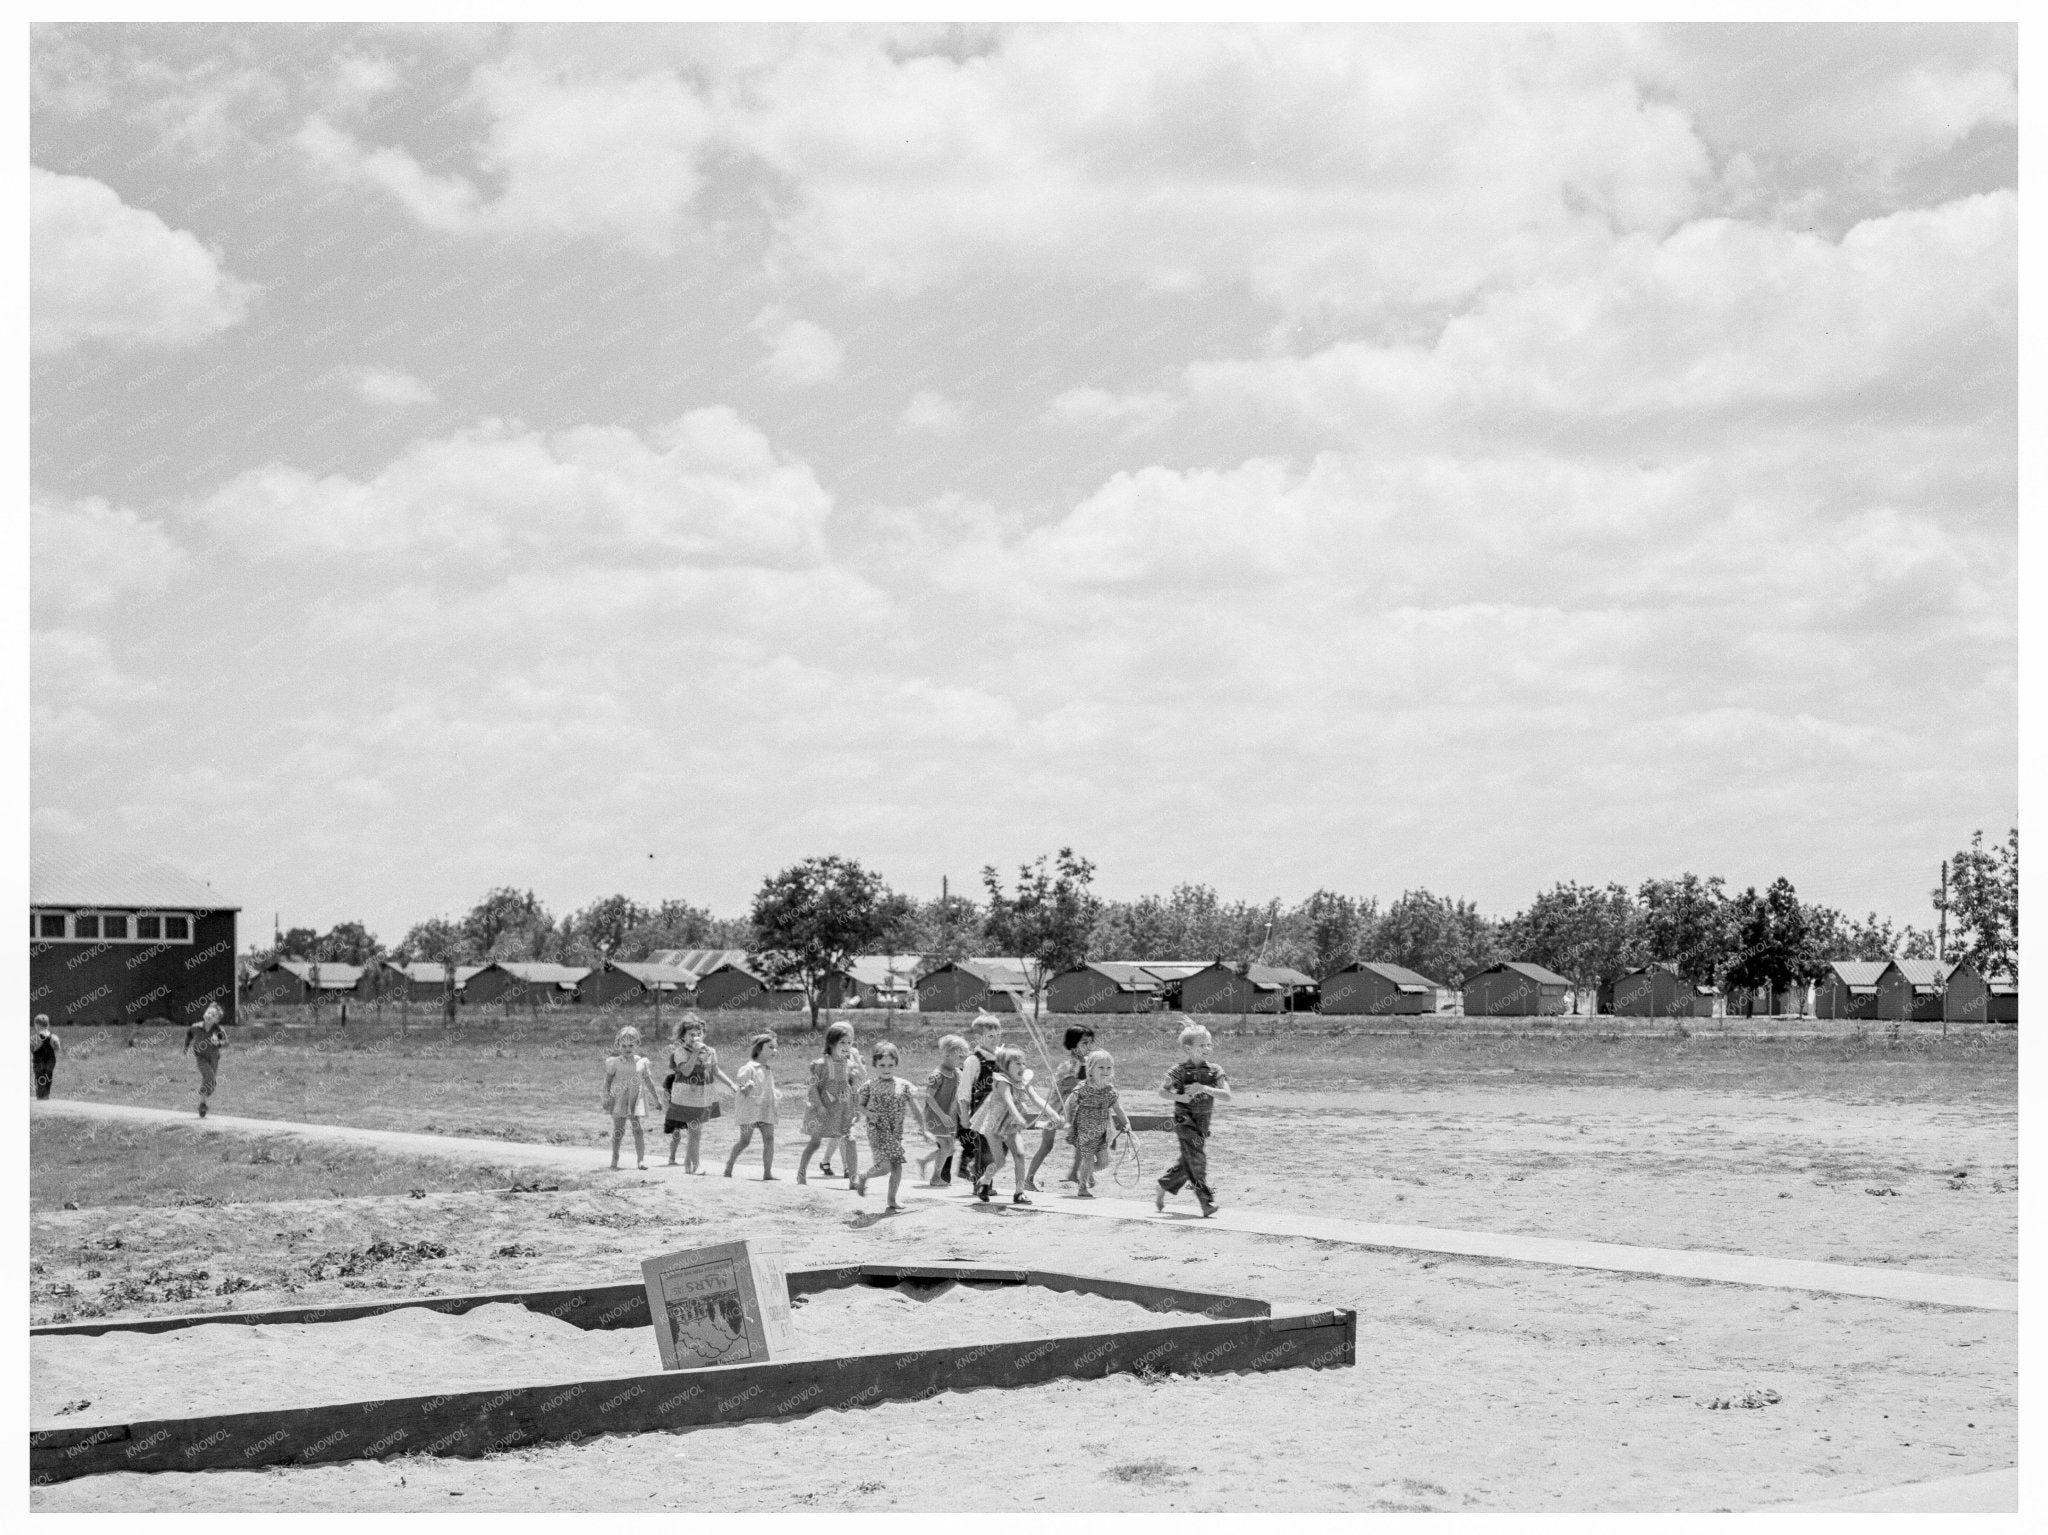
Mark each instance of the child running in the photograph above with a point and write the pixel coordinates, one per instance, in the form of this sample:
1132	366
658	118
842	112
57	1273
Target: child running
1193	1086
693	1089
754	1107
1067	1073
1094	1110
945	1112
885	1102
1005	1114
629	1086
979	1072
835	1078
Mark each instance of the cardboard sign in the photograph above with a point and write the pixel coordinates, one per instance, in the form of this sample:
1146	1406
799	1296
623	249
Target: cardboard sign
727	1304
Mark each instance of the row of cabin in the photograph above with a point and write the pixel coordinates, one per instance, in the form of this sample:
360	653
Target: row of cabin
1916	990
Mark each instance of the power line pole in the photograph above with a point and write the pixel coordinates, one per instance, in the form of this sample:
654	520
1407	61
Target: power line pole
1941	916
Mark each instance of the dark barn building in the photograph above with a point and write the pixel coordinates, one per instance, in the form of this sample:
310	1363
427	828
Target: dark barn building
523	983
1227	988
2003	1003
1370	987
1849	989
1104	986
1932	991
964	985
735	988
631	983
1659	991
126	939
300	980
1517	989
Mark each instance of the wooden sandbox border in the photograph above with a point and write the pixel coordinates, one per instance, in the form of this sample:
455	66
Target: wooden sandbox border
1232	1334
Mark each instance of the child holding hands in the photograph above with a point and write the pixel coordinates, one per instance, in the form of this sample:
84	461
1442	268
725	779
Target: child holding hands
693	1089
1095	1111
886	1101
1005	1114
835	1077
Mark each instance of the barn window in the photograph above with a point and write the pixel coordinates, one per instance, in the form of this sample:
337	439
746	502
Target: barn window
177	929
113	927
149	927
85	925
50	924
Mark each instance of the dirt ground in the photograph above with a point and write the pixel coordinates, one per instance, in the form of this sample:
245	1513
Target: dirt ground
1479	1385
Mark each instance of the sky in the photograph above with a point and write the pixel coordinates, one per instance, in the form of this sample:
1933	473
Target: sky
600	459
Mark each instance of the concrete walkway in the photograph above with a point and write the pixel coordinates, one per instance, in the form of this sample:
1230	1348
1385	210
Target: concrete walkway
1675	1263
1988	1492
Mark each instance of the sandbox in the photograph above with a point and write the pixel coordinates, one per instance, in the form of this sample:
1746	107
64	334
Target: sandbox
467	1375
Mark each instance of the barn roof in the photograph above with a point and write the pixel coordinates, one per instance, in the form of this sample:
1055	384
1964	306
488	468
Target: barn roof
334	975
1126	975
540	973
1399	975
1924	974
697	961
874	969
1173	969
433	970
1858	974
127	881
1265	977
997	973
660	977
1534	972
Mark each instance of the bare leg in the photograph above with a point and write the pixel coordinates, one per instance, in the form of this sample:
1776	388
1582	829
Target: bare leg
852	1159
803	1163
640	1144
767	1152
1045	1141
740	1145
1017	1173
673	1137
895	1183
618	1135
690	1155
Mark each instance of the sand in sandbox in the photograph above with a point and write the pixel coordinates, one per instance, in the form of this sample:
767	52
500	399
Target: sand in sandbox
228	1367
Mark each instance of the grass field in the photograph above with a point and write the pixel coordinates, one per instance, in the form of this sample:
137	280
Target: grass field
1480	1385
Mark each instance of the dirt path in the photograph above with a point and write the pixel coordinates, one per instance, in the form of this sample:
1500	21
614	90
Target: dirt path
1717	1267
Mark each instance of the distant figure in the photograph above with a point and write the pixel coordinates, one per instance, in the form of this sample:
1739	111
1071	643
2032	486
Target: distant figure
42	1056
756	1107
206	1039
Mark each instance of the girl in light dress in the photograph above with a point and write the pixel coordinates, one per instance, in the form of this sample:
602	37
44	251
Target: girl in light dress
754	1106
629	1087
888	1103
1002	1119
693	1089
828	1116
1094	1111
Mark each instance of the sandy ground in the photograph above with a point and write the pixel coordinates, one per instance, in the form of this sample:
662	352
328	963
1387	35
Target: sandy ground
227	1368
1479	1385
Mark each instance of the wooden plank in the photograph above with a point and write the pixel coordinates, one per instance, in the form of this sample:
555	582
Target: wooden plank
1153	1297
475	1423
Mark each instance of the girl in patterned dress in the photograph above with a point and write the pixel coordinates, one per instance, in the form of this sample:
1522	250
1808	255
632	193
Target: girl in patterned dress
887	1102
1003	1118
692	1090
629	1087
828	1116
755	1106
1094	1110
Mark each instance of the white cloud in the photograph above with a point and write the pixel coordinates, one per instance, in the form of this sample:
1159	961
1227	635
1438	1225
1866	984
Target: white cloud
800	352
930	411
576	155
390	387
101	270
87	555
1132	414
707	488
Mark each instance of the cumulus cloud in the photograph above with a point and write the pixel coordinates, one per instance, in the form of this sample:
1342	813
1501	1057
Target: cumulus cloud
389	387
706	488
1132	414
930	411
576	155
800	352
87	555
102	270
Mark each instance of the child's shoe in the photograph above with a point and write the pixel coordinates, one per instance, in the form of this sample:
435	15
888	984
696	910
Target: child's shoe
202	1108
1020	1199
1085	1194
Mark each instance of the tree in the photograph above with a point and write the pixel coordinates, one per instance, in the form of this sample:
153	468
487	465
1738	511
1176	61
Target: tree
1436	936
298	943
1579	931
1047	922
1324	933
1685	923
602	929
508	924
1772	946
348	943
813	918
1983	900
435	941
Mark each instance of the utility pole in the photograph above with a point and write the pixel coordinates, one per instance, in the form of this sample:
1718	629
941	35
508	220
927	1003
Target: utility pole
1941	916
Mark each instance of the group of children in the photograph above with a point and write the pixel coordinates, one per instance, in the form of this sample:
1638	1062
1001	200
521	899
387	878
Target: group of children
977	1108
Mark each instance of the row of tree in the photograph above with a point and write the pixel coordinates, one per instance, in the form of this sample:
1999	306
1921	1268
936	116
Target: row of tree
809	919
